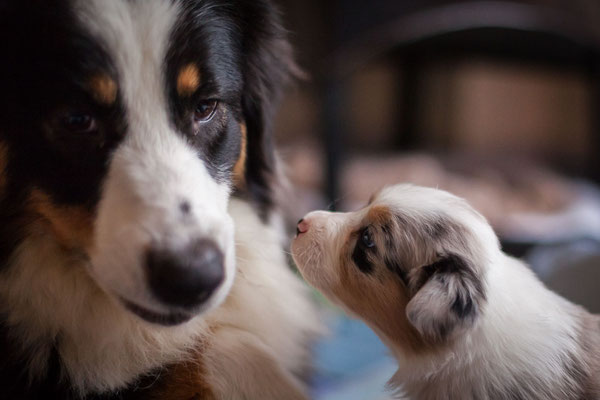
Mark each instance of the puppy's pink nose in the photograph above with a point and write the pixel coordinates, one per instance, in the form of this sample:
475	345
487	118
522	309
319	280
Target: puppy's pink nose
302	227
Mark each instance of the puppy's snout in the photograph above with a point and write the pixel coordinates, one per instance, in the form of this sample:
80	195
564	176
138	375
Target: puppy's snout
302	227
186	277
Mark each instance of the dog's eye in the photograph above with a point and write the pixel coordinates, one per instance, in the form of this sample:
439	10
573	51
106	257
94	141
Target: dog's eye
78	122
205	110
363	249
366	238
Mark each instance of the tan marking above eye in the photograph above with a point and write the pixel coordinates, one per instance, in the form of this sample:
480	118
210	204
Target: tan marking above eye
72	225
379	214
239	170
188	80
104	88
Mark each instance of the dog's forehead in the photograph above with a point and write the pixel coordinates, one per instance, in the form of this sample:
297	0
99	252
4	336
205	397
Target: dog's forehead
179	34
102	46
105	46
135	36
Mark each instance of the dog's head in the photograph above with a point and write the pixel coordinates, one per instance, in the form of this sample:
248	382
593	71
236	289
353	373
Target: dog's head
125	126
412	263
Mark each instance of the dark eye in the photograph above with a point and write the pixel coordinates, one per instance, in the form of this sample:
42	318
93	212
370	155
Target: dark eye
366	238
78	122
205	110
363	251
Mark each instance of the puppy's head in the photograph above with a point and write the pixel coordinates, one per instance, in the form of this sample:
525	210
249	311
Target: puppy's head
124	128
412	263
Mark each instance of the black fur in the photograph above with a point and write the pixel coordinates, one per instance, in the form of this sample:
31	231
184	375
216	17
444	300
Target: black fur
453	266
267	67
450	297
256	62
392	261
46	57
397	268
207	37
361	259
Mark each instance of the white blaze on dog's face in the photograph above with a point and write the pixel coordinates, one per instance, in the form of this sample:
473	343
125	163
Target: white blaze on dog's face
163	241
411	264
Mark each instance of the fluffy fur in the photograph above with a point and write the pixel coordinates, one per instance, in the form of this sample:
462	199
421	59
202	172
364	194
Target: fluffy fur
463	319
129	126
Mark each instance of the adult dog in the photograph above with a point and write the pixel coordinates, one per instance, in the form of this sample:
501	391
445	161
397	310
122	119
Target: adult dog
125	127
464	320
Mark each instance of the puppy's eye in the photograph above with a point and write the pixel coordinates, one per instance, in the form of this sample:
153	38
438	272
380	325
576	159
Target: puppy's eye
205	110
366	238
78	123
363	249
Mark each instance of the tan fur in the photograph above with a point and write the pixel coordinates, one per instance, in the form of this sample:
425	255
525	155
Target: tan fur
239	170
188	80
379	214
104	89
380	300
72	225
184	381
386	301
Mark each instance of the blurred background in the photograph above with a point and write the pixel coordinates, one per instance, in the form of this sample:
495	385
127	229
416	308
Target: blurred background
496	101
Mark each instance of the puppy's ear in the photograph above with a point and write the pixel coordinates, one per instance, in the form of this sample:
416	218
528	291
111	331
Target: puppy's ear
449	295
267	65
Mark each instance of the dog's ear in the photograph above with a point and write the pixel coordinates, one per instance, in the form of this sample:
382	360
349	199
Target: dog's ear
267	65
448	298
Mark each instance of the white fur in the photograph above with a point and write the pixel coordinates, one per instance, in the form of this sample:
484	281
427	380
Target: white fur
267	312
525	329
322	246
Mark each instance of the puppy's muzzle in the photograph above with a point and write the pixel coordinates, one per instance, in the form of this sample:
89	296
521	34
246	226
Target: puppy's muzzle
187	277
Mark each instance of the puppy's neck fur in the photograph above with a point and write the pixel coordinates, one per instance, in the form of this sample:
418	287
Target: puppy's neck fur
528	344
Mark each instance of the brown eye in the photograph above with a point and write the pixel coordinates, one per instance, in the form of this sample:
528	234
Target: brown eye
205	110
78	123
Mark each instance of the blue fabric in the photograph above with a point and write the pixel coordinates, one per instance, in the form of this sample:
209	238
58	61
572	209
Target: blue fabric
351	363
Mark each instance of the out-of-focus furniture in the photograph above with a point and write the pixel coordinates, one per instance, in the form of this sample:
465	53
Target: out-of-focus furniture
554	33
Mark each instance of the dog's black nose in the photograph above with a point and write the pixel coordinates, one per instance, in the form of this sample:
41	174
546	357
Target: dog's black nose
187	277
